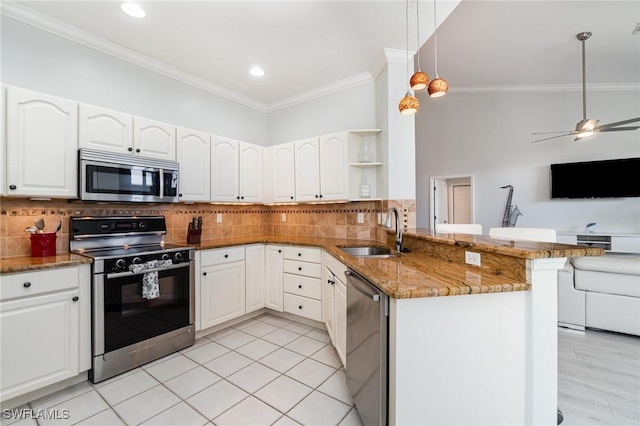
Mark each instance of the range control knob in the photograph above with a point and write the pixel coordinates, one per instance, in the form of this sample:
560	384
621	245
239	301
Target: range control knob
165	256
142	225
136	260
178	256
120	264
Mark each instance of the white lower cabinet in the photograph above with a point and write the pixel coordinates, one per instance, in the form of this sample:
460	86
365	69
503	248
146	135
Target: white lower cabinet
334	299
302	288
275	278
222	285
255	274
44	336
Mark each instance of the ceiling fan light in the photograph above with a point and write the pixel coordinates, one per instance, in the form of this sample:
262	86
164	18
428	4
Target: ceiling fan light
438	87
419	80
584	133
409	104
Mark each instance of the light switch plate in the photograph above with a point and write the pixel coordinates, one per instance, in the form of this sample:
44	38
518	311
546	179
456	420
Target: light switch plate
283	217
360	217
219	218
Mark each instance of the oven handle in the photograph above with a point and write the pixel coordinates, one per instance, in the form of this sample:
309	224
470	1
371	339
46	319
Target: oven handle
144	271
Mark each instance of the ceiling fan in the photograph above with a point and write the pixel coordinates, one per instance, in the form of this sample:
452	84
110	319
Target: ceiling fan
587	127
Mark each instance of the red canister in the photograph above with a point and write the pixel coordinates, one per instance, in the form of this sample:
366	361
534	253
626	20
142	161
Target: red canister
43	244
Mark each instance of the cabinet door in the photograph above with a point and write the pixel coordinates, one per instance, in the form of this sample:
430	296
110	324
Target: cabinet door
39	342
283	174
105	130
307	170
224	170
194	156
42	145
334	167
328	284
154	139
222	292
255	283
275	277
250	172
340	330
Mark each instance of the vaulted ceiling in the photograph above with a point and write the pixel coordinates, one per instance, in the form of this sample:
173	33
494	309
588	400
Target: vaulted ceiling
305	46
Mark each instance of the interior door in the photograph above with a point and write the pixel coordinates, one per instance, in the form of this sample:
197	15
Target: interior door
440	202
461	204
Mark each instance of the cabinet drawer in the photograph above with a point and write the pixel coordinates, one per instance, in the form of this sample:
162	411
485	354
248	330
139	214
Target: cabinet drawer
38	282
303	306
223	255
303	286
303	253
303	268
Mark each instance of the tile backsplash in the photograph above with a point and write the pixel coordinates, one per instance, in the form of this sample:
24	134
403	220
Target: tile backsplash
337	220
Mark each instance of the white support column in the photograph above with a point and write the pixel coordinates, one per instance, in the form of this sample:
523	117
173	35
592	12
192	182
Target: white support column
542	344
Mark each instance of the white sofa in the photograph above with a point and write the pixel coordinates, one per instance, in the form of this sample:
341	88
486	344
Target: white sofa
601	292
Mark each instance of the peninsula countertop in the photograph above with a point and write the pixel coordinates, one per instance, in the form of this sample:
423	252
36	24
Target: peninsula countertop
407	275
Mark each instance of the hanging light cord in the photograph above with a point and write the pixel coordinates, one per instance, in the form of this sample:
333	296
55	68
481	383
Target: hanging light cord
435	37
406	10
418	32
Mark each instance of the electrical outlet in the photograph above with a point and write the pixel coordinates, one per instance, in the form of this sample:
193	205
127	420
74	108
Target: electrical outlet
472	258
383	218
360	217
283	217
379	218
219	218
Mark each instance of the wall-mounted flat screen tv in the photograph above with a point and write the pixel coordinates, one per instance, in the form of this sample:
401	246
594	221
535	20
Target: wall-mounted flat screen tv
596	179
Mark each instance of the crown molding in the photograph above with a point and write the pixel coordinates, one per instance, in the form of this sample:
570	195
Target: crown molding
338	86
388	55
597	87
46	23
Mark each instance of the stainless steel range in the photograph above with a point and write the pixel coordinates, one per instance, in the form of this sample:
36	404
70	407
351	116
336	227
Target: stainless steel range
142	291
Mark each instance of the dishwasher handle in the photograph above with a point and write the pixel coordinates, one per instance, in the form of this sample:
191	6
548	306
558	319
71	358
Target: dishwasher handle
362	285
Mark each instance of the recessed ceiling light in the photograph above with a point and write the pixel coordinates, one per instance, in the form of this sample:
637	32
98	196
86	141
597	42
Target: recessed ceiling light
256	71
133	9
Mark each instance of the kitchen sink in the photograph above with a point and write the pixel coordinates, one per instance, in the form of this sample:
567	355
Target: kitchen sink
370	251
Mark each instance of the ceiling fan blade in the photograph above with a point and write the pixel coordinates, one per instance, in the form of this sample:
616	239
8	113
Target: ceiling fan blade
549	133
553	137
616	129
617	123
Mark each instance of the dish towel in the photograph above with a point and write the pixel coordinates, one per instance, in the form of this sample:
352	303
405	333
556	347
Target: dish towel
150	282
150	287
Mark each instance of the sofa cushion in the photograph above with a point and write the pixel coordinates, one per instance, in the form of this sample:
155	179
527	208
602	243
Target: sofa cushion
613	263
607	283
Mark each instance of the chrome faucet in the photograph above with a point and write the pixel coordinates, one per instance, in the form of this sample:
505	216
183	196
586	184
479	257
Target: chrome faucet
398	227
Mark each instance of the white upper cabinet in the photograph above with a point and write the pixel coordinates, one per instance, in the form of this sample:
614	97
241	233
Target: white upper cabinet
236	171
224	169
307	169
282	170
105	130
250	177
154	139
194	156
42	145
321	168
334	167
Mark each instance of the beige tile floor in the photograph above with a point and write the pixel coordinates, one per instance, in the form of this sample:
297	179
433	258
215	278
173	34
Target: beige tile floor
270	370
264	371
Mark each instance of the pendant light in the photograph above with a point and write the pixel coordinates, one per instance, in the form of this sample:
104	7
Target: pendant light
438	86
419	79
409	104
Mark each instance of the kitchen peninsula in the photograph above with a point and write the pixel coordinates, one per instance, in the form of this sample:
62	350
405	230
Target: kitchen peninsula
487	355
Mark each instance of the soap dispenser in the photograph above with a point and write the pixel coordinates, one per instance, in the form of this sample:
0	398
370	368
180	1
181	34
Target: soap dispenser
365	188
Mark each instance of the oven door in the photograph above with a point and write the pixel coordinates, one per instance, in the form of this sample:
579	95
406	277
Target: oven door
122	317
103	181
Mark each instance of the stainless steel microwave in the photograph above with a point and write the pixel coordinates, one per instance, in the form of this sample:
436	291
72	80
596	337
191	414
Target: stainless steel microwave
107	176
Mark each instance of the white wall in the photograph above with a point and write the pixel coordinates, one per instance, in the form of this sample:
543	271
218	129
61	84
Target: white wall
41	61
489	135
350	109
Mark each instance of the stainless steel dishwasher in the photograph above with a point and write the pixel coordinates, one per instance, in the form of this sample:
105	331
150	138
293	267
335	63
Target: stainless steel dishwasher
367	348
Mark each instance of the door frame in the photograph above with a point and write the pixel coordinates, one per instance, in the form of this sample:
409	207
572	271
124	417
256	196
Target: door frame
432	180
